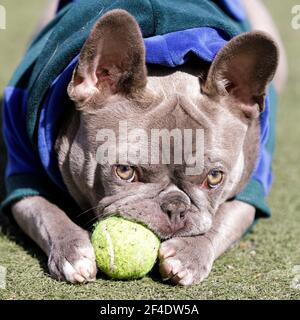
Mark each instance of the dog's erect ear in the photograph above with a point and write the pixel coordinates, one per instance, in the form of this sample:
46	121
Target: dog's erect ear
243	69
111	61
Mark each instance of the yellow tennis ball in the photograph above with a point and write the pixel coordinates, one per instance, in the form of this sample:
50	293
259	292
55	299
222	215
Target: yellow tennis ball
124	249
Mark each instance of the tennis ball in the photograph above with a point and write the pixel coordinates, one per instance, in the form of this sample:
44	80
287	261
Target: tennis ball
124	249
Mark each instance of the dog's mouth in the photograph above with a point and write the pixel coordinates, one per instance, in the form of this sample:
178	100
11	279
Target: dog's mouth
148	213
162	231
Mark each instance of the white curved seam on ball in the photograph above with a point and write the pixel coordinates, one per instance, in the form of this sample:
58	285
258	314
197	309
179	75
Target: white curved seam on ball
110	249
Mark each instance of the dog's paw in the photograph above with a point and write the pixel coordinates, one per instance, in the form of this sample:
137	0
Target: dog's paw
186	261
72	259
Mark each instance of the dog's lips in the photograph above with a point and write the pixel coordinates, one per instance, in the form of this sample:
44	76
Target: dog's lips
167	232
148	212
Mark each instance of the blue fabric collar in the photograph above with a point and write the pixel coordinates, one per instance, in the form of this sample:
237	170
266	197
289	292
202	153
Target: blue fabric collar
174	49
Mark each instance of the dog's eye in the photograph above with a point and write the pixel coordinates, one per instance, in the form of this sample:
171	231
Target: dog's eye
214	179
126	173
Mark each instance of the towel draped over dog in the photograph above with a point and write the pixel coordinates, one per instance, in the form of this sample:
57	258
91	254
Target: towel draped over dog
36	97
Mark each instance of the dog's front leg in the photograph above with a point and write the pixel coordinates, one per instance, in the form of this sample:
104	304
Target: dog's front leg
70	253
188	260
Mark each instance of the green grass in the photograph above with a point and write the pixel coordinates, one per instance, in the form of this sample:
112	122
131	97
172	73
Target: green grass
260	267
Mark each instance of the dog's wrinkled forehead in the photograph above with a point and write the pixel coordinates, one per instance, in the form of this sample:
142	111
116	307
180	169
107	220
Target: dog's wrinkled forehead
174	101
180	102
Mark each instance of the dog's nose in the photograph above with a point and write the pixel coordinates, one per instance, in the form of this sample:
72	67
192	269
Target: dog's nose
175	209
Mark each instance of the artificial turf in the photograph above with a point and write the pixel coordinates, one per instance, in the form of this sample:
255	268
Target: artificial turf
261	266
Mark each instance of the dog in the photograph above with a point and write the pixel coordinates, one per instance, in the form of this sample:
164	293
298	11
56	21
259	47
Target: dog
196	216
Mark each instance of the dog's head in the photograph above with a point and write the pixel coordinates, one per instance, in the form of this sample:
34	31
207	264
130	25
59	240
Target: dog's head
123	107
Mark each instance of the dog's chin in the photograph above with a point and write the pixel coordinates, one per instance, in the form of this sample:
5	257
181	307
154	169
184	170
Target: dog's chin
159	223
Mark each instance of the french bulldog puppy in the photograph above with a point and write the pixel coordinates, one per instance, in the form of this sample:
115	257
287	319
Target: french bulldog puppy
193	214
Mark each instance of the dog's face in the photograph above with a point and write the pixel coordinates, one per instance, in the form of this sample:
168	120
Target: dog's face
219	104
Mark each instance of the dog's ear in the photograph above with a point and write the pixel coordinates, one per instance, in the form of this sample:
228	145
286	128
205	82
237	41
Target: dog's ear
111	61
243	68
